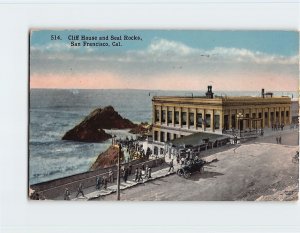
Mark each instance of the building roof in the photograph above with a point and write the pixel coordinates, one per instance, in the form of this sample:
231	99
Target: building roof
196	139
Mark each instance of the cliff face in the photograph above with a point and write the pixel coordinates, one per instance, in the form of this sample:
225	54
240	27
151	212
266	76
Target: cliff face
91	128
107	158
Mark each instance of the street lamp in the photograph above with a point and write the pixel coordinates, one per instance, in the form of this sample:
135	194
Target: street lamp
118	175
240	116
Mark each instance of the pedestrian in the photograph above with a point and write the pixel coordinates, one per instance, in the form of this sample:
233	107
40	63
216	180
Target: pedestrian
279	139
80	190
146	172
111	176
177	159
149	172
105	181
129	169
136	174
98	182
67	194
171	166
140	176
125	176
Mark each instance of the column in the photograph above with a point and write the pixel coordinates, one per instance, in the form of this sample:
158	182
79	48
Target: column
229	116
160	109
203	120
195	118
213	121
284	116
221	121
173	116
263	117
188	118
153	114
290	116
280	115
269	118
180	118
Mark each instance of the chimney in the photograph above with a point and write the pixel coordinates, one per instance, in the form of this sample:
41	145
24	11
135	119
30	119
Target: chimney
263	93
209	93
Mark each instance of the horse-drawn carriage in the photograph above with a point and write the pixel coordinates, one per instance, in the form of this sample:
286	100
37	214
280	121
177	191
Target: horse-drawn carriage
191	167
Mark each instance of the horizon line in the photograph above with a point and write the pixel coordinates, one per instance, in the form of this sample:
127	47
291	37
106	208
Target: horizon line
259	90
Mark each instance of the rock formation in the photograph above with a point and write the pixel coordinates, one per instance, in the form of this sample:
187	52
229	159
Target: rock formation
91	128
107	158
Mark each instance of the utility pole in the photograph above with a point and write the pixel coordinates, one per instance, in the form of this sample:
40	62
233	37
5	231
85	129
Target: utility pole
118	176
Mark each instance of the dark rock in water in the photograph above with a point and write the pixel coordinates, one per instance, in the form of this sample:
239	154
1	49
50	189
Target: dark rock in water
85	134
91	128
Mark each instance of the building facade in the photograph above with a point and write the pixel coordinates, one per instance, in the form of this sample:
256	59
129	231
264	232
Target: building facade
175	116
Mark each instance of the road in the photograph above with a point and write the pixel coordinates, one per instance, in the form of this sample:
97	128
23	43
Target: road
242	173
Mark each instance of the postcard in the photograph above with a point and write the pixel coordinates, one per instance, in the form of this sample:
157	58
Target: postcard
163	115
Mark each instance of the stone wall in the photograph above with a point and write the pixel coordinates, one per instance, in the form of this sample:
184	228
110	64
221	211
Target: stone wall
54	188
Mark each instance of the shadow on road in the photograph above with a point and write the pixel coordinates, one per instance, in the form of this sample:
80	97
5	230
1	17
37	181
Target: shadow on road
205	175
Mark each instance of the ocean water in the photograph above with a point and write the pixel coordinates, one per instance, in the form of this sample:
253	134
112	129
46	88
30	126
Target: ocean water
53	112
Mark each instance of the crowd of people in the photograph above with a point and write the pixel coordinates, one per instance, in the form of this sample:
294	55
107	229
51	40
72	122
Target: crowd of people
134	149
141	173
277	126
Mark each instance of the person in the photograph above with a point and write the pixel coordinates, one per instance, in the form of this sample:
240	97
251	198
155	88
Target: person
149	172
177	159
105	181
80	190
67	194
140	175
171	166
136	174
129	169
98	182
125	176
111	176
146	172
279	139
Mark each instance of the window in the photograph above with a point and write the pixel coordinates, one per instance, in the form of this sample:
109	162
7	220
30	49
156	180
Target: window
155	136
207	121
199	119
156	115
169	117
168	137
162	136
183	118
217	121
233	121
191	119
163	116
155	150
176	117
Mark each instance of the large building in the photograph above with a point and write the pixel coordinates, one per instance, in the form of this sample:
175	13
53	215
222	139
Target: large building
175	116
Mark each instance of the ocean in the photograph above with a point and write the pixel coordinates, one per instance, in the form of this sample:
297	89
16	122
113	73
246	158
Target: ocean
53	112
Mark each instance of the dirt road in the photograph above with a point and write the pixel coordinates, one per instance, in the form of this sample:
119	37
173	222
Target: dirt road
247	172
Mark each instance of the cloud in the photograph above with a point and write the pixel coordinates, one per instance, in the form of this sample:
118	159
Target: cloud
161	58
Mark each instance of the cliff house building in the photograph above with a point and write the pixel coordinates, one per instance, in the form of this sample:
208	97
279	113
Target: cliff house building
177	116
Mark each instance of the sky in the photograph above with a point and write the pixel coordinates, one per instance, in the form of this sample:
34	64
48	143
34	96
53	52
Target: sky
165	60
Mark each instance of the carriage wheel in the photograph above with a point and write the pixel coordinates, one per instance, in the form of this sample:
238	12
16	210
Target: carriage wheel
179	172
186	175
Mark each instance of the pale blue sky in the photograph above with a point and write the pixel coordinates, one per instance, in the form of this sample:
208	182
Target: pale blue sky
167	59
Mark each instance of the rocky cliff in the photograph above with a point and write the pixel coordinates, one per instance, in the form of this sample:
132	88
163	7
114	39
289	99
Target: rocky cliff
91	128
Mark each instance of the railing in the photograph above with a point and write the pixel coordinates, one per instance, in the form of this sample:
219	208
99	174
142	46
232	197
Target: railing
245	133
